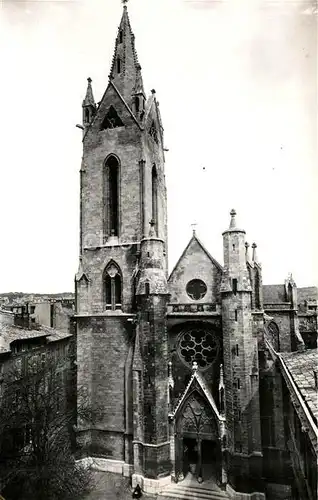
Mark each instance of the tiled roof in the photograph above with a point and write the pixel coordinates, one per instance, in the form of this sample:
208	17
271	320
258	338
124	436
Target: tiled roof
301	366
9	333
274	294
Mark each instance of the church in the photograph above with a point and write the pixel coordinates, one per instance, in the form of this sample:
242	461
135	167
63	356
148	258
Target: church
196	372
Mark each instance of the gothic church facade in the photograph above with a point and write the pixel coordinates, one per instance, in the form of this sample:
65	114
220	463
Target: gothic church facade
177	363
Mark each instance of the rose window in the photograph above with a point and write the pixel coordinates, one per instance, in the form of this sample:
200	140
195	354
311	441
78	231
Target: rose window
200	346
196	289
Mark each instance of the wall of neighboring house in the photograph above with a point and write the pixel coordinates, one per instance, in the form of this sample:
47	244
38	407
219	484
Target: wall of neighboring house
23	358
53	314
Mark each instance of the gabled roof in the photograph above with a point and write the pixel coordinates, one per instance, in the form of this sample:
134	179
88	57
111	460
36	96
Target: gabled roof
198	377
196	239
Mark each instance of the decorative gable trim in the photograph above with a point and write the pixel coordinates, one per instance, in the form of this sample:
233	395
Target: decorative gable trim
111	84
197	377
195	238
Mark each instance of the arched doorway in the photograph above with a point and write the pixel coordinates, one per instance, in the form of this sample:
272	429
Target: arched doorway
197	440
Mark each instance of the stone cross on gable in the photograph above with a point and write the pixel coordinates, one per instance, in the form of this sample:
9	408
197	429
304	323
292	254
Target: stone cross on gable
194	226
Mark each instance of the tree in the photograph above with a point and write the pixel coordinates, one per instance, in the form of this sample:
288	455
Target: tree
38	413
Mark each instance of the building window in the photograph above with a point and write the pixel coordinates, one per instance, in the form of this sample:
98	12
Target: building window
121	36
111	194
52	315
111	120
234	285
113	287
154	190
236	350
196	289
238	383
137	103
235	314
118	65
198	345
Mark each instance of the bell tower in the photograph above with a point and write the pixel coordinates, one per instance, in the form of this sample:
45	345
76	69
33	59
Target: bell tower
122	189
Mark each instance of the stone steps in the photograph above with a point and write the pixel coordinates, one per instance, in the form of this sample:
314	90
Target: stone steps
190	492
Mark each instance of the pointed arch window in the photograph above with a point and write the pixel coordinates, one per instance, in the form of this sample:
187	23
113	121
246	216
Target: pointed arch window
113	287
121	36
154	191
87	115
111	194
137	103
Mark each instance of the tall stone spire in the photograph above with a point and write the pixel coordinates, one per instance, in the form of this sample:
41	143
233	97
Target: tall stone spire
125	71
88	105
89	98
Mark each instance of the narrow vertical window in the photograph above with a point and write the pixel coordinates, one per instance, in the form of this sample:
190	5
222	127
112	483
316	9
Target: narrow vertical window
111	194
237	350
137	103
235	314
238	383
154	182
234	286
112	287
121	36
52	315
118	65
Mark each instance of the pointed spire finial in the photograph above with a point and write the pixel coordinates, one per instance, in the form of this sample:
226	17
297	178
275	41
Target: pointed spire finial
152	231
89	98
254	255
221	383
195	366
233	221
247	253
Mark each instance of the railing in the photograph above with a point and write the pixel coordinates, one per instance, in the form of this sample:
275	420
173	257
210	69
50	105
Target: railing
194	308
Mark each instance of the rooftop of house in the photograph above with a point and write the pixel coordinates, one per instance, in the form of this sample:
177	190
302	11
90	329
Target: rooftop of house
10	333
302	366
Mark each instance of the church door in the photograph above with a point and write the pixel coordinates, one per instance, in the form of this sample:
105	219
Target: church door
197	446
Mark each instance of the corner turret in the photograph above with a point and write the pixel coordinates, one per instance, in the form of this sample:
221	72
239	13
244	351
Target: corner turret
88	105
235	274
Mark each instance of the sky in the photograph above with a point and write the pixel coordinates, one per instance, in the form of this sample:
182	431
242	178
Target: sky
237	86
